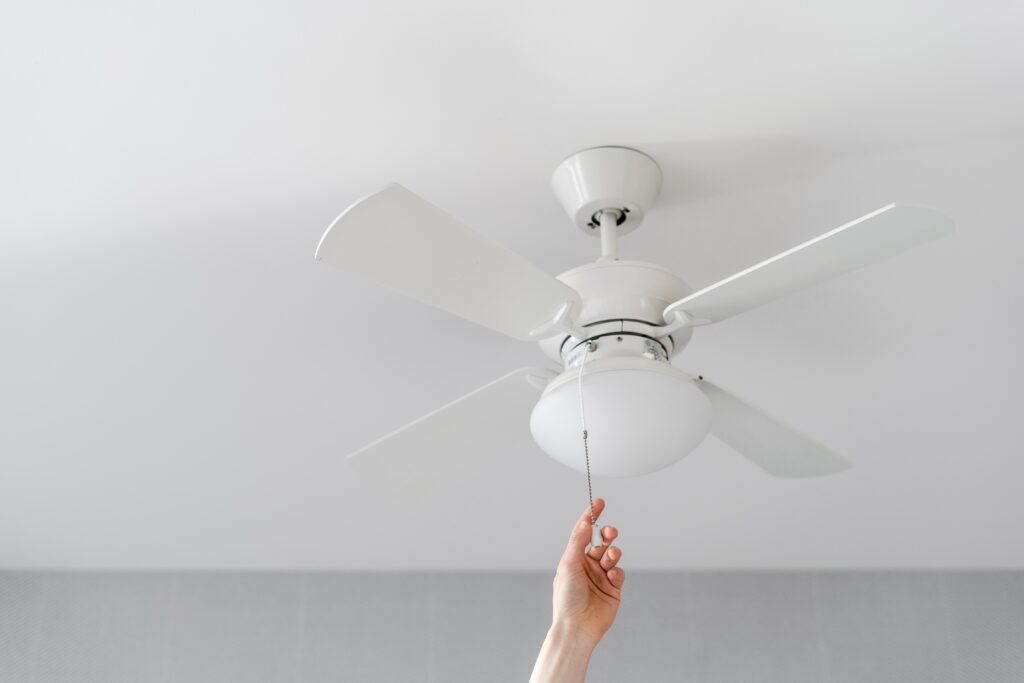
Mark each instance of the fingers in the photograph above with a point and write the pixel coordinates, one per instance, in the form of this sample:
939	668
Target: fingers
617	577
611	558
608	534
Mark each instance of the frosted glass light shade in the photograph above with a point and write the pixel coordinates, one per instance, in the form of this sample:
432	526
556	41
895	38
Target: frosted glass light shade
642	415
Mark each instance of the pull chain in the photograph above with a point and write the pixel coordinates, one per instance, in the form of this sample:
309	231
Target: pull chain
595	534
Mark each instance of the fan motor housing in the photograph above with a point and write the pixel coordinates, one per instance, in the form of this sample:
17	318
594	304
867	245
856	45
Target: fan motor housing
622	308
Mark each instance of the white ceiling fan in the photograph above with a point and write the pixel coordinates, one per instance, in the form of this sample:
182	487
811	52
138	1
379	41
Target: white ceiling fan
624	320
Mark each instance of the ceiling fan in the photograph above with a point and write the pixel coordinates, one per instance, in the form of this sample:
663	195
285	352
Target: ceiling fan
612	325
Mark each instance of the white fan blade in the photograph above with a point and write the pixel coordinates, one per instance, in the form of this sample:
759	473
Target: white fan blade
773	446
879	234
453	439
397	240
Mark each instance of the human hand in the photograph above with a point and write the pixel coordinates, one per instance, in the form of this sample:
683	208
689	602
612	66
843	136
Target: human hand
588	584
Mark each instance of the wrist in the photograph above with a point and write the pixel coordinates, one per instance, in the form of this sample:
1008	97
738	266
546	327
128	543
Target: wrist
570	634
564	657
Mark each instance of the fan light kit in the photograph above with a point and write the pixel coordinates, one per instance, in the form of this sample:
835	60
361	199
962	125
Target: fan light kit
624	319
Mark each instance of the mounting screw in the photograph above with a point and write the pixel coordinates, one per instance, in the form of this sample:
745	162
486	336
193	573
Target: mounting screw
618	339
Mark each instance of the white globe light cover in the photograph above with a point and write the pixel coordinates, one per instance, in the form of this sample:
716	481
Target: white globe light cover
642	416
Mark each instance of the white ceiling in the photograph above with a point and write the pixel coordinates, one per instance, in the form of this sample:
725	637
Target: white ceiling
179	382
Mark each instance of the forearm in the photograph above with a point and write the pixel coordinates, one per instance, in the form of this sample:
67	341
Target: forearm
564	656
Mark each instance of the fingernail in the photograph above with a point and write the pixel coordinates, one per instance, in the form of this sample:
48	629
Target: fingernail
581	526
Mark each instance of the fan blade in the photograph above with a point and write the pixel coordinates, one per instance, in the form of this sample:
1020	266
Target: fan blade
879	234
452	439
774	447
397	240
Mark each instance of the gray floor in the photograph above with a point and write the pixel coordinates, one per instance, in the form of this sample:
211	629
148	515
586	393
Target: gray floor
738	627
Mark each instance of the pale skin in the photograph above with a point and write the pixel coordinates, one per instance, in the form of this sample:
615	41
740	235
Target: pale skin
587	592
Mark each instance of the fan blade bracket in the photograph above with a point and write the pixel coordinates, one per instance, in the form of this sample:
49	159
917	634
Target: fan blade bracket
564	321
680	319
